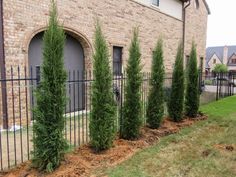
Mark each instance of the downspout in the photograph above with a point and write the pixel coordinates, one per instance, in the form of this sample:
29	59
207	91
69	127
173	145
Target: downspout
184	22
3	71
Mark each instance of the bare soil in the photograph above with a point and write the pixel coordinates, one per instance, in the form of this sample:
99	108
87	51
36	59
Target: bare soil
225	147
83	161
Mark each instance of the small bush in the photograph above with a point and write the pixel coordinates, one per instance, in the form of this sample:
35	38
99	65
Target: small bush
208	82
220	68
175	105
49	142
131	119
192	91
102	126
155	108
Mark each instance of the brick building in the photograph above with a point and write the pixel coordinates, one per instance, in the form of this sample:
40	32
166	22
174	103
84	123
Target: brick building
23	22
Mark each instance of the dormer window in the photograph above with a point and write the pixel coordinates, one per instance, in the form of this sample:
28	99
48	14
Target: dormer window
233	61
155	2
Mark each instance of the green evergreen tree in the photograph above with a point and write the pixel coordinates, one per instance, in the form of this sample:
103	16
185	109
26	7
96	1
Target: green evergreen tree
49	141
192	90
131	117
155	108
102	126
176	102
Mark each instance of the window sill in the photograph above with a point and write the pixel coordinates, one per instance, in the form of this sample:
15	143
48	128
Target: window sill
155	7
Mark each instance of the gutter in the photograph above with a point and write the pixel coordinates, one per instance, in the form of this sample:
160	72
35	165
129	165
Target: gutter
3	71
184	21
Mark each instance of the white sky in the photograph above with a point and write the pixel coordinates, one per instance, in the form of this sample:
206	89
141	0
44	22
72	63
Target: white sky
221	23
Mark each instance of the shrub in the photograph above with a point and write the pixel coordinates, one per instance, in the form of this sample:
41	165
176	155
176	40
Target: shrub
220	68
175	105
208	82
49	142
192	91
155	108
131	119
102	126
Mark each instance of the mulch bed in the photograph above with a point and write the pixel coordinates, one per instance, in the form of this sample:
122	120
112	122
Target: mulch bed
83	161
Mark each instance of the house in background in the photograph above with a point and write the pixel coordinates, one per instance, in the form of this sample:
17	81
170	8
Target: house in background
221	55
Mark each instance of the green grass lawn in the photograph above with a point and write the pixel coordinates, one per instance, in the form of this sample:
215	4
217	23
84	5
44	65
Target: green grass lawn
195	151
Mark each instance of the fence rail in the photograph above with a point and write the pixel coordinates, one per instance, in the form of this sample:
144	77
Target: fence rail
17	120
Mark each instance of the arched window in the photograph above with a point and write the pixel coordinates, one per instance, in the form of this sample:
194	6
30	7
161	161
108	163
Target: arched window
74	64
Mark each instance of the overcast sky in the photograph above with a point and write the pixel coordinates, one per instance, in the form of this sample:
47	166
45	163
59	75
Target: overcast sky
221	23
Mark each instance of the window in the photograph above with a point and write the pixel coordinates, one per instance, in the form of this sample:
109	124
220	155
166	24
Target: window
196	4
155	2
233	61
214	61
117	60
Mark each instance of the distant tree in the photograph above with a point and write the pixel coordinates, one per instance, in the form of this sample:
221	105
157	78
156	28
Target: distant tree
175	105
131	121
102	126
220	68
192	91
49	142
155	108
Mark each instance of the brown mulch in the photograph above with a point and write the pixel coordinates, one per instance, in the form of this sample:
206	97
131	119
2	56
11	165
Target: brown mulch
83	161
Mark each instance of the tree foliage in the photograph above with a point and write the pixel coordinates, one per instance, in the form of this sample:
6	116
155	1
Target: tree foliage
220	68
49	142
155	108
176	102
131	119
192	90
102	126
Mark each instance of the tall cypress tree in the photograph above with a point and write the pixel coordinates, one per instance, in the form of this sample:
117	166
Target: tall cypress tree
102	125
176	102
131	118
49	141
155	108
192	91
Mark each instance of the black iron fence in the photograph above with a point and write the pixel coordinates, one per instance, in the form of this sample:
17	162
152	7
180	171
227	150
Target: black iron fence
16	106
222	84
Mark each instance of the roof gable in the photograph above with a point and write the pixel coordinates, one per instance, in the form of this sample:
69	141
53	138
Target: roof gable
219	52
214	56
233	56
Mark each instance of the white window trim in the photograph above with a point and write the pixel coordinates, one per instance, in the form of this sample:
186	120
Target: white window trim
156	6
157	9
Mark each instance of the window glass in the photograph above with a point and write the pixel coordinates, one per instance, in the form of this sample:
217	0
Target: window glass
196	4
117	60
155	2
234	61
214	61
